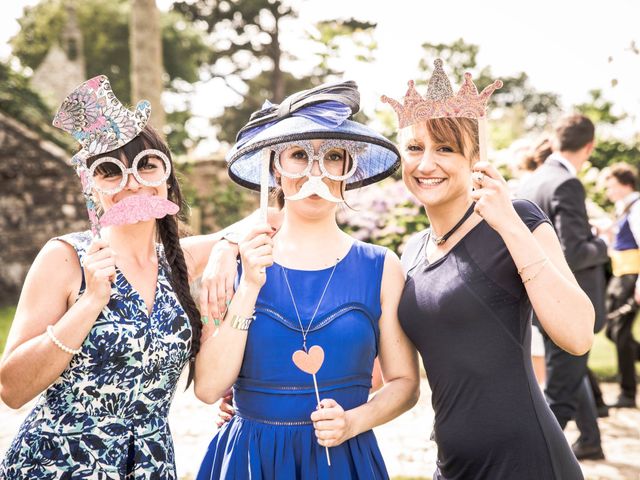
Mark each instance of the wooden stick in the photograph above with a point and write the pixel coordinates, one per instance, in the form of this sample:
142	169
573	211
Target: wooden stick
482	136
264	184
315	384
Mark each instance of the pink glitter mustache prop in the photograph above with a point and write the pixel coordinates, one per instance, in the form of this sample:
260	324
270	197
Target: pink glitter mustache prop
138	208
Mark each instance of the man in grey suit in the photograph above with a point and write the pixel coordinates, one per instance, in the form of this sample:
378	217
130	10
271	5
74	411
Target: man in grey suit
560	194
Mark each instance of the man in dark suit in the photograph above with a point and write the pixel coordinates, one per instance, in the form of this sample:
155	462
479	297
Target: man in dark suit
560	194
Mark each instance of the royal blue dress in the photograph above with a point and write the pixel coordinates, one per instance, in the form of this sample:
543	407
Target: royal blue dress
271	435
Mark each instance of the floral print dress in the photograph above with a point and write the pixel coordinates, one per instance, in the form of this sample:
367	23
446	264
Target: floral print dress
105	417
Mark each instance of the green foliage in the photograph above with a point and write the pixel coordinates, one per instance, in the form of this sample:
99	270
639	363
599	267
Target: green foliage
234	118
245	52
332	35
6	317
179	140
598	109
19	101
384	213
522	107
610	151
230	204
105	31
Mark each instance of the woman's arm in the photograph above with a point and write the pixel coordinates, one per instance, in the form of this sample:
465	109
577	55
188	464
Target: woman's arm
220	358
214	259
31	361
197	248
399	365
563	309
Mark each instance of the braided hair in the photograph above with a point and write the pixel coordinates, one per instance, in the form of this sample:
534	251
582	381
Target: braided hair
168	232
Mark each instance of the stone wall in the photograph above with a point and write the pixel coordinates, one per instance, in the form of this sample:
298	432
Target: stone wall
39	199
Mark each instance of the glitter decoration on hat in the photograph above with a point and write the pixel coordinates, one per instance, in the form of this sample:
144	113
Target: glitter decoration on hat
95	117
441	102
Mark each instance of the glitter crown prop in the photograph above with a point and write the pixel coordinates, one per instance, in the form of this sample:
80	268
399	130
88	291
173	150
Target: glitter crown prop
440	100
97	119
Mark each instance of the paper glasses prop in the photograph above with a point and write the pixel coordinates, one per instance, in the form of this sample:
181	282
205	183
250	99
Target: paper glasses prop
108	175
296	159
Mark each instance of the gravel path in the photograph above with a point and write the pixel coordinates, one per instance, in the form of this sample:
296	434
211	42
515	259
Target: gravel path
404	441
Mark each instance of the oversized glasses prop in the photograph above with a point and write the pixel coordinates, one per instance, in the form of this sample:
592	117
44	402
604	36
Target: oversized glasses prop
108	175
295	160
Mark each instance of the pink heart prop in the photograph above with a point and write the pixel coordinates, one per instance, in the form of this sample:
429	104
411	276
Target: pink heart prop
309	362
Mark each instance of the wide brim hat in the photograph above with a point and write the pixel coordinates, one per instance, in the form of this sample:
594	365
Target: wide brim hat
380	159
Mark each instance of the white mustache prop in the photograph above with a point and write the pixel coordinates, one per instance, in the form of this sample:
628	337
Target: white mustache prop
315	186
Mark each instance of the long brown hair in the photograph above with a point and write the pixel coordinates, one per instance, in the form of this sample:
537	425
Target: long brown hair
168	232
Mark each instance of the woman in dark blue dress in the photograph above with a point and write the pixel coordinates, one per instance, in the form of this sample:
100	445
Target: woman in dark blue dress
473	279
310	286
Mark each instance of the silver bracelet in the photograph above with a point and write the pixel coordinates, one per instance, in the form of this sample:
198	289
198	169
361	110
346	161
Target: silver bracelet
59	344
241	323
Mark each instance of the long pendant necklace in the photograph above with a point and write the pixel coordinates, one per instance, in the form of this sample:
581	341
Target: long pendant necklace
440	240
310	360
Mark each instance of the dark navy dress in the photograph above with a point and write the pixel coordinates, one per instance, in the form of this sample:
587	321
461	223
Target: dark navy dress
470	318
271	436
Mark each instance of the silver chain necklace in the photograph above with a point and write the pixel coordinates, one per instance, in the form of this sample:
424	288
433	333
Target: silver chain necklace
295	307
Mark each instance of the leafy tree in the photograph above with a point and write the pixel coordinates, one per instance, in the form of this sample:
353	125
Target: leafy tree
523	108
246	52
105	30
19	101
599	109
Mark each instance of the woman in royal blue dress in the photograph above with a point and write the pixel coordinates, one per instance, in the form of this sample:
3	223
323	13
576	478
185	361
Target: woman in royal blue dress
312	309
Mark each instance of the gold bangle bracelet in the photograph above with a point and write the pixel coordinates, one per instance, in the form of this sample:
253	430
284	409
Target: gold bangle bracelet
544	264
521	270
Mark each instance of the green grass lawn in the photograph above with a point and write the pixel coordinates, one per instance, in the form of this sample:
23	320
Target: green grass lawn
602	359
6	317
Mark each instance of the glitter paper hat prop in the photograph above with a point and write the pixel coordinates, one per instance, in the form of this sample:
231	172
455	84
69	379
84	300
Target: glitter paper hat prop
100	123
441	102
319	113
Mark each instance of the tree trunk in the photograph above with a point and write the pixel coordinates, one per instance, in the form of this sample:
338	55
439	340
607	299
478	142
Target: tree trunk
145	44
277	79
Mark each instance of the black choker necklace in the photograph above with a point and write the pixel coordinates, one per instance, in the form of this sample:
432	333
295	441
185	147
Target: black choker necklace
445	237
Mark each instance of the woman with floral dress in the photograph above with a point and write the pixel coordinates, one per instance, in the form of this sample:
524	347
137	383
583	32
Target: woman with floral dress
105	325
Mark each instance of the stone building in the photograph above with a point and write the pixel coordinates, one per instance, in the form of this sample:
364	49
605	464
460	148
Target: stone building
39	199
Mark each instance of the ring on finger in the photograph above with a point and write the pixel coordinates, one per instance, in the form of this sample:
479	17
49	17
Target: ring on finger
479	177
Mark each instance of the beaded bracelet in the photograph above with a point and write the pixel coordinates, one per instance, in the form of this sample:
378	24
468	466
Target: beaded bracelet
59	344
544	264
521	270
